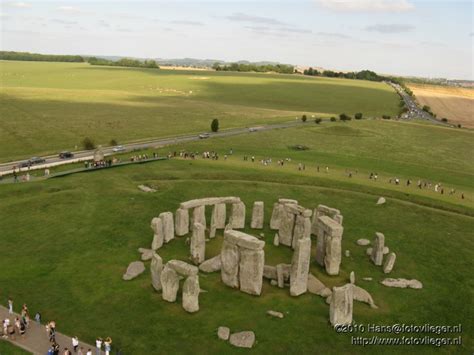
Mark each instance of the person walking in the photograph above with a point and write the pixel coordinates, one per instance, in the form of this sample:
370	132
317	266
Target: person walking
98	346
75	343
10	306
108	345
89	352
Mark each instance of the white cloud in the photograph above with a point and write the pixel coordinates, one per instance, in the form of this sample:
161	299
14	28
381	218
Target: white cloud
390	28
241	17
367	5
20	5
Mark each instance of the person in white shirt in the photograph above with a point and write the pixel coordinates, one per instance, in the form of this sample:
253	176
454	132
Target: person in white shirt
75	343
89	352
98	346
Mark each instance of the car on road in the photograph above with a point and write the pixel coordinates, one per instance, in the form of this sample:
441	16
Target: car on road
119	148
32	161
66	155
204	135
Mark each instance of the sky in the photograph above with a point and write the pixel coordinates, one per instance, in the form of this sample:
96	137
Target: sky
399	37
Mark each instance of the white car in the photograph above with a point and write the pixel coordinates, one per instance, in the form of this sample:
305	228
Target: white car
204	135
119	148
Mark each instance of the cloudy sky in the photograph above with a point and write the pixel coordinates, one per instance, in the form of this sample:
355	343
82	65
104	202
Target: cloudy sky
407	37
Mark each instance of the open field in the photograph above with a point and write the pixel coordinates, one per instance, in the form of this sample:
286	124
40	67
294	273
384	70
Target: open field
79	232
455	104
76	100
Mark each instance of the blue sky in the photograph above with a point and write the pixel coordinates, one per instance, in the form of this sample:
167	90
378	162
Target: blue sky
406	37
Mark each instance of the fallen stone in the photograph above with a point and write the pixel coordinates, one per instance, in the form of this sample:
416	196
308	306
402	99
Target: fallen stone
183	268
223	333
275	314
145	188
315	286
362	295
134	269
402	283
363	242
369	251
347	253
381	201
389	263
211	265
243	339
367	278
273	282
147	254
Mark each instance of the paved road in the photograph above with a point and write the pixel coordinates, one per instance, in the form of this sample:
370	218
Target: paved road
54	160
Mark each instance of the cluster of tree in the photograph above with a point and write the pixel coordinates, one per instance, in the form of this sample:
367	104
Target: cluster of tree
124	62
249	67
361	75
7	55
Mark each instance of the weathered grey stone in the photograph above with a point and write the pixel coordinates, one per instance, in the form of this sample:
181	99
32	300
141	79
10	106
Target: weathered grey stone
352	277
158	238
134	269
198	244
218	216
386	250
251	271
230	264
381	201
182	267
367	278
377	250
275	219
332	232
363	242
243	339
275	314
243	240
181	222
169	283
168	226
257	215
323	210
199	215
316	287
302	229
145	188
223	333
211	265
347	253
287	222
208	201
288	201
280	276
402	283
340	311
369	251
146	254
237	218
191	294
269	272
273	282
300	267
156	267
389	263
212	232
362	295
276	240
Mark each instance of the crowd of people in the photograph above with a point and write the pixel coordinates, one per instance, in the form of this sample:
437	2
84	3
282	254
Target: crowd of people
14	325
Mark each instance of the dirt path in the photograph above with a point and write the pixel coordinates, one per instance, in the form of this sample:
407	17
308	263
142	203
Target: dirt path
36	340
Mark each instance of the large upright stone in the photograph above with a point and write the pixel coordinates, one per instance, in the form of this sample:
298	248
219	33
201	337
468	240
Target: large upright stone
275	219
218	216
243	240
170	284
340	310
329	229
199	215
389	263
237	218
257	215
168	226
287	223
377	249
181	222
156	267
158	238
332	259
300	267
191	291
198	244
302	229
251	271
323	210
230	264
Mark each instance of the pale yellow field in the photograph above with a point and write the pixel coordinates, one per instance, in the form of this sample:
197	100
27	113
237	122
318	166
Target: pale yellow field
456	104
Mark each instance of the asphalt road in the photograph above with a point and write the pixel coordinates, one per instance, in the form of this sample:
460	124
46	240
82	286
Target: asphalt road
54	160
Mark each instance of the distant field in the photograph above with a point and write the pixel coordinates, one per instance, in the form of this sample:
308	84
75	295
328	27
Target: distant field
455	104
46	107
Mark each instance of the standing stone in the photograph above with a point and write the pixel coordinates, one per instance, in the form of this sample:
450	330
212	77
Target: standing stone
302	229
191	291
199	215
300	267
340	310
218	216
212	231
332	260
257	215
157	226
377	250
328	248
237	219
169	283
276	240
230	264
198	244
287	222
168	226
323	210
275	219
251	271
352	277
156	267
389	263
182	222
280	275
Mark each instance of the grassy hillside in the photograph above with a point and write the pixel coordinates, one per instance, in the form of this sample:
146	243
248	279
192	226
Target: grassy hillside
76	100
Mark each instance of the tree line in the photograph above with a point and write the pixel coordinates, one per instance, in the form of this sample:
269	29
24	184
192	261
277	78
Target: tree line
264	68
26	56
124	62
361	75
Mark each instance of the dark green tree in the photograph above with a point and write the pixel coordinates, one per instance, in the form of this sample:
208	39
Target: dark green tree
215	125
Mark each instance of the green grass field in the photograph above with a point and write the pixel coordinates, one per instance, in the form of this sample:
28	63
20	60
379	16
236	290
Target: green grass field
48	107
79	233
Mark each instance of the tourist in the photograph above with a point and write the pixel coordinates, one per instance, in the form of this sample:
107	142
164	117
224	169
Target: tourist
52	331
89	352
25	315
38	317
98	346
75	343
66	352
50	350
80	351
108	345
55	348
327	169
5	327
10	306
